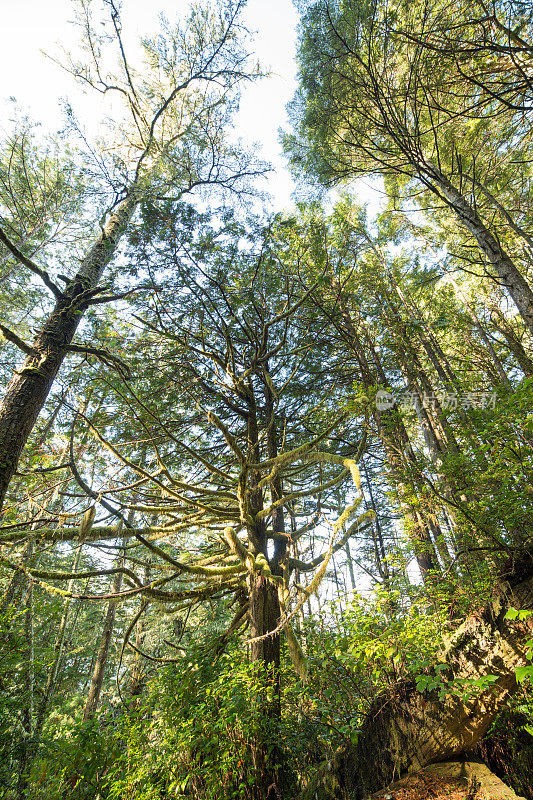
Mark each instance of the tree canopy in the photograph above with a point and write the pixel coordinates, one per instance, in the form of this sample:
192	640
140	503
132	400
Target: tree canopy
267	477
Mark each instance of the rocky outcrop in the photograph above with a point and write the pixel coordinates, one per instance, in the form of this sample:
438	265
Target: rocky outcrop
406	729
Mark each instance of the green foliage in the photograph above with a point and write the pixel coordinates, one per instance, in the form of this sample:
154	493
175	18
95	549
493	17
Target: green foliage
384	641
524	673
77	759
384	638
196	733
251	338
12	690
501	489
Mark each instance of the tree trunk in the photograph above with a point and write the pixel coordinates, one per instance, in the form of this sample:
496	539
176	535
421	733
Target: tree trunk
27	710
504	268
395	440
138	670
95	688
44	704
405	729
349	563
29	387
380	552
513	342
483	336
264	613
264	617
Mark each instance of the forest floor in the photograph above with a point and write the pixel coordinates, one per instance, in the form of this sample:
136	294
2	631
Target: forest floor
469	781
423	787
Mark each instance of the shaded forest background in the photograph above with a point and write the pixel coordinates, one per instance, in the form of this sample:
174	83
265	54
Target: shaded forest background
267	479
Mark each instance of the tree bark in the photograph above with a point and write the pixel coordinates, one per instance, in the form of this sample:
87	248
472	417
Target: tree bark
502	375
396	443
264	617
264	613
380	552
138	670
27	710
505	270
513	342
29	387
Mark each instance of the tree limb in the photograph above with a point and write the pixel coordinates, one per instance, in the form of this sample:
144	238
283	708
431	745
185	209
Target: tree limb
31	265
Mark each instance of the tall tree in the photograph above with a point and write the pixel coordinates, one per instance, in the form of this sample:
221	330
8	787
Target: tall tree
232	437
372	101
174	140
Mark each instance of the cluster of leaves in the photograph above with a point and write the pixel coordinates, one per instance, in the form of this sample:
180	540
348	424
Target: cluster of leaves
78	756
193	733
384	638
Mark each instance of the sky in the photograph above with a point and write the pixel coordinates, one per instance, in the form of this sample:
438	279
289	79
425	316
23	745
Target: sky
38	84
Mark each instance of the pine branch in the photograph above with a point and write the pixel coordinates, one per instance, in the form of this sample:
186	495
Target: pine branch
31	265
107	358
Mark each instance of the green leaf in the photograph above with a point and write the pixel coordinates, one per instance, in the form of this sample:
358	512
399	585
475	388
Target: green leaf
522	673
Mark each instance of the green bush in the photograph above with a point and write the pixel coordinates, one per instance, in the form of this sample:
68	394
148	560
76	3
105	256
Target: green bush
198	731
